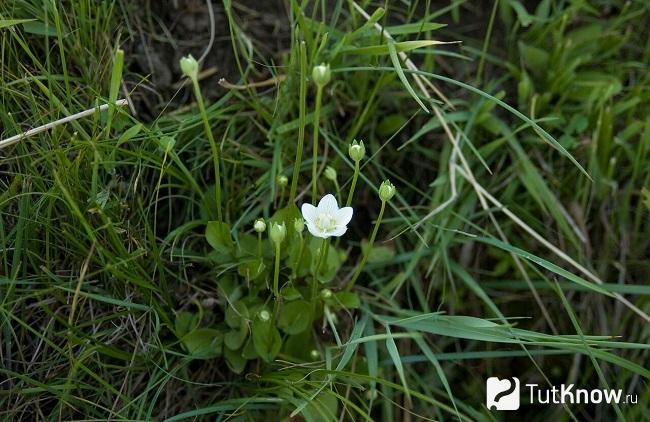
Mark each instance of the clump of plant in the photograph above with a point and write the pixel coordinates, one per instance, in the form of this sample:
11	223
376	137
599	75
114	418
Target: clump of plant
281	279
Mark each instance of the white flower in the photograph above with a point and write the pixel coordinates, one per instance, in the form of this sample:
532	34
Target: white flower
327	219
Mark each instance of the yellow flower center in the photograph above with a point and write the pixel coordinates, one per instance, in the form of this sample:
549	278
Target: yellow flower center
325	222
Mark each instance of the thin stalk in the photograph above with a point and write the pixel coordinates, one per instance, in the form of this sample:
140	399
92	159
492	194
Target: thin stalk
314	164
300	252
213	146
259	244
301	127
371	242
353	185
323	253
276	275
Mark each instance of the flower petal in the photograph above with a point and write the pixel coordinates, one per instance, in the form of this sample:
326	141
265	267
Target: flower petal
343	216
328	204
308	213
315	231
338	231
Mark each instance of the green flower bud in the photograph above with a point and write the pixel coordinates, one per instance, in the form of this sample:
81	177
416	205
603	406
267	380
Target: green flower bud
357	151
321	74
264	315
326	294
386	190
190	67
278	232
282	180
330	173
259	225
299	225
314	354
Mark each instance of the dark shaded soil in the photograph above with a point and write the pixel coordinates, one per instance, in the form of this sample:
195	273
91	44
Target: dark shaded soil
161	32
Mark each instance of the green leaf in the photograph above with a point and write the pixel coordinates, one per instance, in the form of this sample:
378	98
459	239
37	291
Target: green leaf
300	268
218	236
252	269
330	265
289	292
266	339
235	360
185	322
165	144
522	14
249	352
397	361
295	317
392	49
204	343
348	300
40	28
4	23
236	314
546	264
235	338
379	254
414	28
384	49
299	346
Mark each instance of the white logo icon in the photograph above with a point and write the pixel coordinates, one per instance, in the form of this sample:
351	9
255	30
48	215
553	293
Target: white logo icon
502	394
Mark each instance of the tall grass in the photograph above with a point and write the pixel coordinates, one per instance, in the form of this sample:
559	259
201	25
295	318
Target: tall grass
517	243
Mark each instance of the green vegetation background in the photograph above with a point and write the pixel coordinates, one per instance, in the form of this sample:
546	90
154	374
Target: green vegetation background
523	251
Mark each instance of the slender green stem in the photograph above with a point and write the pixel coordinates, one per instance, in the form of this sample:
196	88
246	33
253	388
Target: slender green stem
259	245
301	127
353	185
314	163
369	248
338	191
213	147
276	275
300	252
486	42
323	253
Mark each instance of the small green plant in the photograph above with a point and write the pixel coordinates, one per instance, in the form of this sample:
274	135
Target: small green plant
278	286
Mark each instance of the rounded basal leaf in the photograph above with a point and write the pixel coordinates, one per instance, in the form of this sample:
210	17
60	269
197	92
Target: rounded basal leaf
289	292
330	265
235	360
266	339
339	300
235	338
203	343
301	267
236	314
252	269
295	317
378	254
218	236
184	323
299	346
249	352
